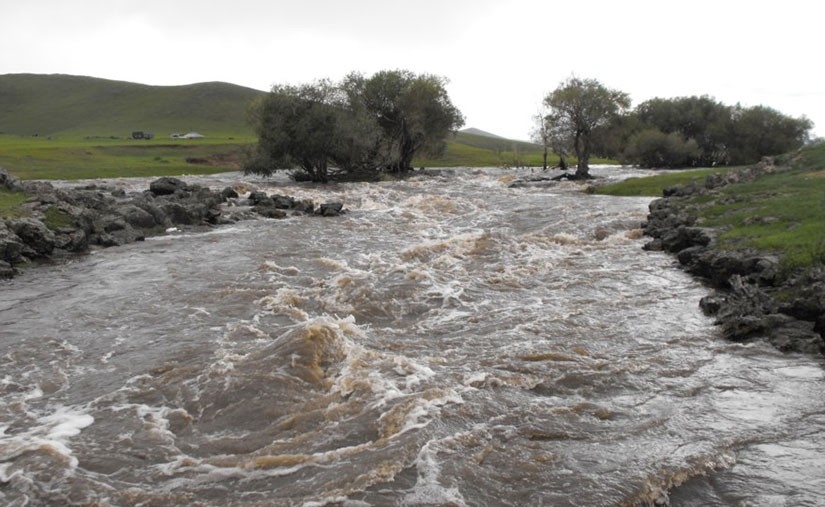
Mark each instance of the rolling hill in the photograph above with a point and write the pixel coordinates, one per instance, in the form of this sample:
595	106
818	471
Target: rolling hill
65	127
62	105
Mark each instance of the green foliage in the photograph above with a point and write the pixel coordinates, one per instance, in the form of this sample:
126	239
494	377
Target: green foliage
723	135
760	131
653	148
577	108
414	113
361	125
305	127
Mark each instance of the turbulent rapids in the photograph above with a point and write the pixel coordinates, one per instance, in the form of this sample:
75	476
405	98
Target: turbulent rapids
450	340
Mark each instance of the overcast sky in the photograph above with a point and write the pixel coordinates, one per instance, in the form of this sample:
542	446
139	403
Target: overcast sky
501	57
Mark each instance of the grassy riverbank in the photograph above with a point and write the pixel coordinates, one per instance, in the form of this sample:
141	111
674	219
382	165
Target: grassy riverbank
68	157
77	158
781	213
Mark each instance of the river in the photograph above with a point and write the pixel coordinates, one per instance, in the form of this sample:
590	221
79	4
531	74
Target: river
449	341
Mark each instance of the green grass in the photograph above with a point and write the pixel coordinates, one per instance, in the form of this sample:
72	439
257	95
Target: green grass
75	106
10	202
72	158
55	218
781	213
653	186
73	127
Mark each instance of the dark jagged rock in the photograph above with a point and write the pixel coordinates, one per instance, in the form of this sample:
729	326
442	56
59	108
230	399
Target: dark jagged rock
256	197
33	233
229	193
753	297
97	216
11	246
270	211
282	201
167	186
137	216
6	270
330	209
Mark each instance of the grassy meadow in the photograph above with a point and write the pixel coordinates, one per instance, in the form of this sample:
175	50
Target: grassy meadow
69	158
782	213
74	127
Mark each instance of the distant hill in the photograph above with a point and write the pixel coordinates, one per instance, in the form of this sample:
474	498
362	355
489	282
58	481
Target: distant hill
56	104
491	142
479	132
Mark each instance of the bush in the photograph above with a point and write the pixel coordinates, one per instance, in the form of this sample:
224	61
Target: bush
653	148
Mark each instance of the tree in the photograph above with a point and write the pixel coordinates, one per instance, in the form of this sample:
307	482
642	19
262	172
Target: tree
578	107
702	119
547	132
413	111
723	134
653	148
356	127
761	131
298	126
541	135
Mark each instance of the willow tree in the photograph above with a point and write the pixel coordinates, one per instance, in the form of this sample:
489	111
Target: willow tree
413	111
578	107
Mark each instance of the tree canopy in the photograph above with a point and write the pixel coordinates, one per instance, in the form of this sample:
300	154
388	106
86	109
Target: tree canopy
704	132
579	107
588	117
360	125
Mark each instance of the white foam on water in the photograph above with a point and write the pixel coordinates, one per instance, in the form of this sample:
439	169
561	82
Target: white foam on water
428	490
52	432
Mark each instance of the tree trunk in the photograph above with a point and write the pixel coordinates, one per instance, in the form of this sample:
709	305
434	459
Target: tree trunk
545	158
582	145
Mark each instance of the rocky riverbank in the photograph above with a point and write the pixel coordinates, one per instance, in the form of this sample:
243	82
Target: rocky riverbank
754	297
54	222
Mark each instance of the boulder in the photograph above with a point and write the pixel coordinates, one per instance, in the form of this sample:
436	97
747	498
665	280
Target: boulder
177	213
675	240
330	209
6	270
270	211
282	201
167	186
257	196
137	216
34	234
71	239
11	247
229	193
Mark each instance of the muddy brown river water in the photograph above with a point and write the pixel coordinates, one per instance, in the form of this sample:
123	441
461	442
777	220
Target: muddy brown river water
449	341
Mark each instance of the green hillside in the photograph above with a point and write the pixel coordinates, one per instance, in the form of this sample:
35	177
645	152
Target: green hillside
76	106
71	127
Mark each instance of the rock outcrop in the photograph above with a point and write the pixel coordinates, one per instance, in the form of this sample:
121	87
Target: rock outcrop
56	221
753	297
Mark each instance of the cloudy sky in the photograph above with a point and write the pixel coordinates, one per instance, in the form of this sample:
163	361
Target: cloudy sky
501	57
